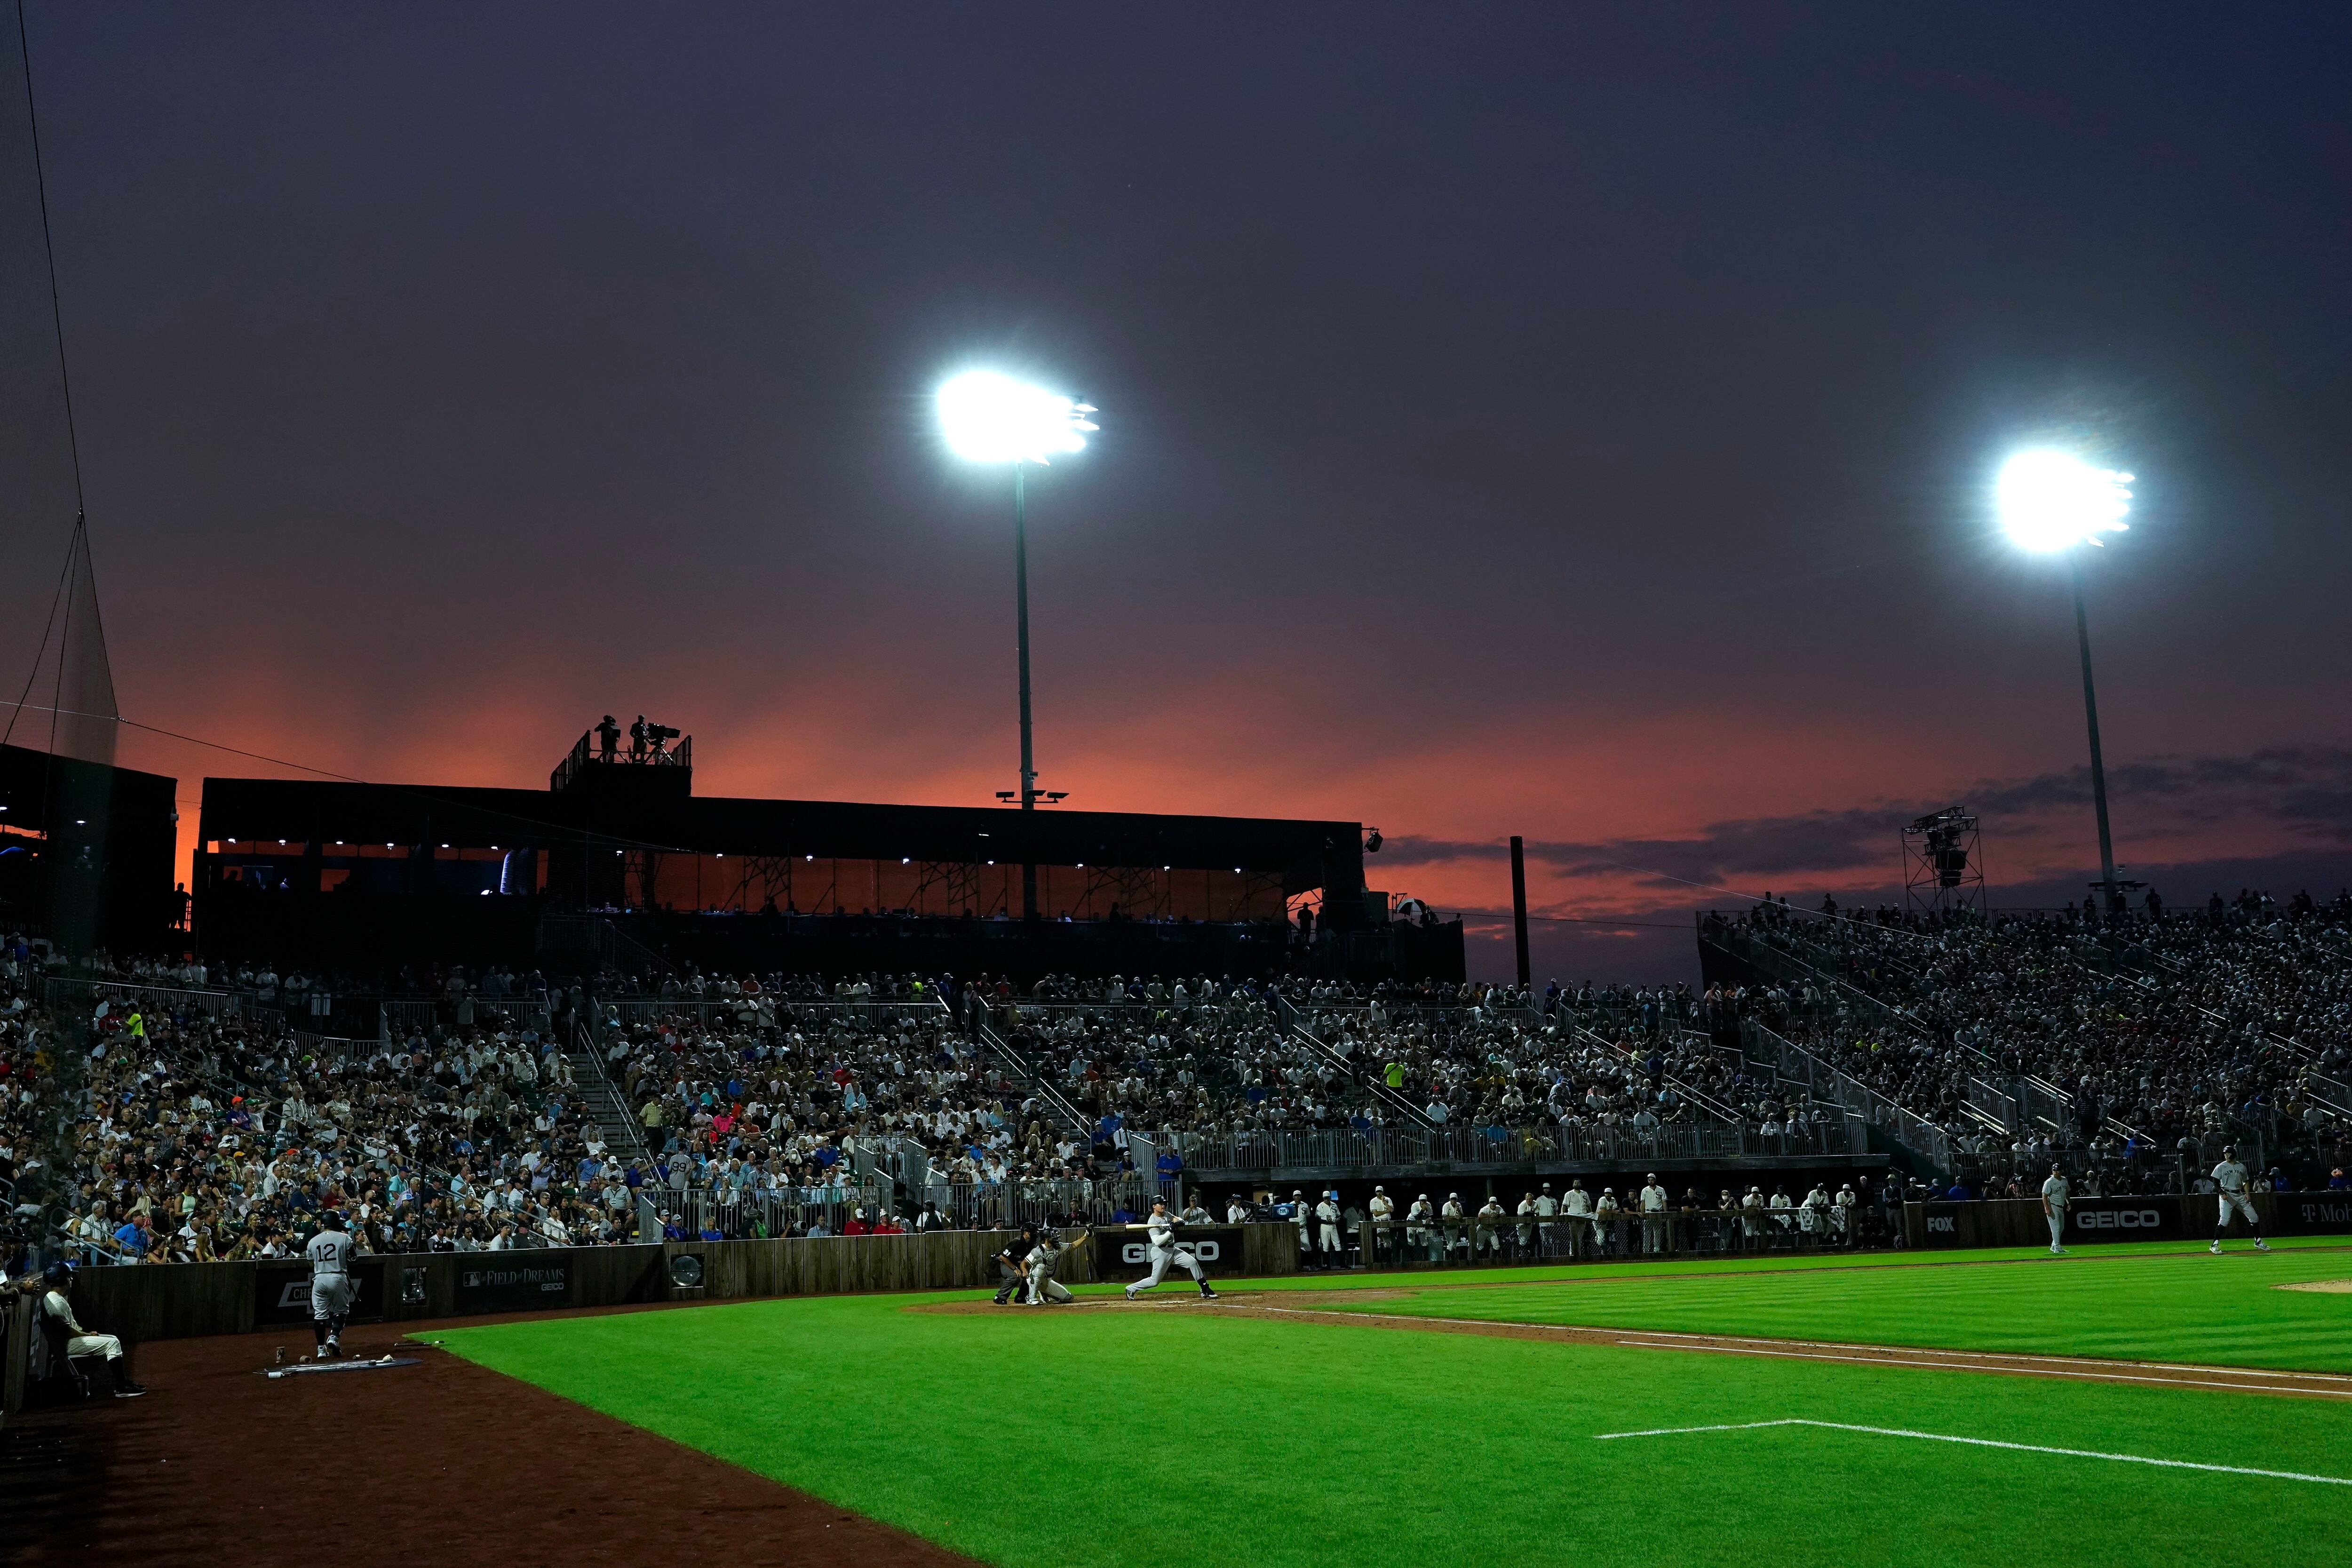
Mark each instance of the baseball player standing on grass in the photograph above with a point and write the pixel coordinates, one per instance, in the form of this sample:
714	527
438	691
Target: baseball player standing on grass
1160	1230
332	1289
2231	1177
2054	1207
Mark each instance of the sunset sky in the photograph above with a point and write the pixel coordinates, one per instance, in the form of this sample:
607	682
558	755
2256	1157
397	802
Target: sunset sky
1516	419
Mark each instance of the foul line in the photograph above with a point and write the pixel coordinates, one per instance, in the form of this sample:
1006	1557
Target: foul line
2035	1371
2273	1371
2253	1380
1986	1443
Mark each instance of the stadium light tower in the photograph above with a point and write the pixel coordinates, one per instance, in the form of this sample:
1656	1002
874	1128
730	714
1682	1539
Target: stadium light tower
2051	503
991	419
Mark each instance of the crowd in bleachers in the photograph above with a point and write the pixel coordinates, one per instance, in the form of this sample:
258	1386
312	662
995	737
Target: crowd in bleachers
504	1110
771	1100
180	1134
2151	1032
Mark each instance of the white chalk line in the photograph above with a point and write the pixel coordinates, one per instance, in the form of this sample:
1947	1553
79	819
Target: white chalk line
1667	1336
2279	1387
1986	1443
1660	1338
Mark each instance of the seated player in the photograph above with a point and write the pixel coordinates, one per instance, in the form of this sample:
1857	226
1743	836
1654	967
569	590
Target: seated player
58	1309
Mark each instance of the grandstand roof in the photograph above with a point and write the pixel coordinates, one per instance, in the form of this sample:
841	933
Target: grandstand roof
1307	852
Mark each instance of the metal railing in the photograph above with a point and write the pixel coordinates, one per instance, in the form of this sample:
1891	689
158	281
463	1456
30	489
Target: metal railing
757	1214
986	1205
60	991
587	752
1379	1148
1026	1072
2028	1104
1706	1104
1481	1240
1398	1102
1792	1062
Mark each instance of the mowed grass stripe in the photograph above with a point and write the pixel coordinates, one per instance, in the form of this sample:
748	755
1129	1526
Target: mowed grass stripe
1116	1438
1783	1263
2176	1305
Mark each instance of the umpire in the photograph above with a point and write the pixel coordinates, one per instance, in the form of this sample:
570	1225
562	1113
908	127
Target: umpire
1012	1265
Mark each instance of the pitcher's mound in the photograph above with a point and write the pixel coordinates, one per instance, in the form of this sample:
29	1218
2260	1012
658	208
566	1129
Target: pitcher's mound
2333	1287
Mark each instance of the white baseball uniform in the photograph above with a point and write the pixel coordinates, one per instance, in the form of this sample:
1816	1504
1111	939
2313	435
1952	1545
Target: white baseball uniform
80	1342
2230	1175
2054	1193
1165	1249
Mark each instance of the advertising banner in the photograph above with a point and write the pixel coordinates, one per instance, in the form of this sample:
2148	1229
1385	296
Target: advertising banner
2304	1214
1944	1226
2124	1219
2019	1223
1125	1255
489	1285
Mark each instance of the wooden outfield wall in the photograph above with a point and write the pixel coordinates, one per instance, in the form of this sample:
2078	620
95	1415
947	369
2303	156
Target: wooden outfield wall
182	1300
2020	1222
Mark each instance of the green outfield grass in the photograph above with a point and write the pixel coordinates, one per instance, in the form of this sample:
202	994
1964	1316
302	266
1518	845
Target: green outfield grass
2160	1301
1185	1434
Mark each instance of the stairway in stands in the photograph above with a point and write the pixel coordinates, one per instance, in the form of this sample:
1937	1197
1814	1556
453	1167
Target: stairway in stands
602	1102
1062	1116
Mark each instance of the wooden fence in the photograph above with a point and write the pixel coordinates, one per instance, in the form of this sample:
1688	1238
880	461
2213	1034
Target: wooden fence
2020	1222
182	1300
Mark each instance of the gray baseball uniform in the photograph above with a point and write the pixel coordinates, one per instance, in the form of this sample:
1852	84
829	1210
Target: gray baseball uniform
332	1289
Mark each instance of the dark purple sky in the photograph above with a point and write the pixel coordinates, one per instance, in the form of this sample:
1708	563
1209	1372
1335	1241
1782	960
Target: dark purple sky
1519	420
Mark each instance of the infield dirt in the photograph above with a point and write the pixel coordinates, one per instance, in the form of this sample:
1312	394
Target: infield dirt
444	1463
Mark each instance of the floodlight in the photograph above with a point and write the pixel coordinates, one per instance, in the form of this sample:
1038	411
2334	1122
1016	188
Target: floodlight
986	418
2050	501
2053	501
991	419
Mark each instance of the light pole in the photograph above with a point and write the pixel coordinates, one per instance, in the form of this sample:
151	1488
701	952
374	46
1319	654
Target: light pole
990	419
2049	502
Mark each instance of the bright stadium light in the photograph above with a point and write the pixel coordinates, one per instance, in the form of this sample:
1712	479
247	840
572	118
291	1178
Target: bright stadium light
2053	501
991	419
2050	501
986	418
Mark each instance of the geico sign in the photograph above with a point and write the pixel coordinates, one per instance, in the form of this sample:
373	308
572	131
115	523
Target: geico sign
2118	1219
1139	1252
